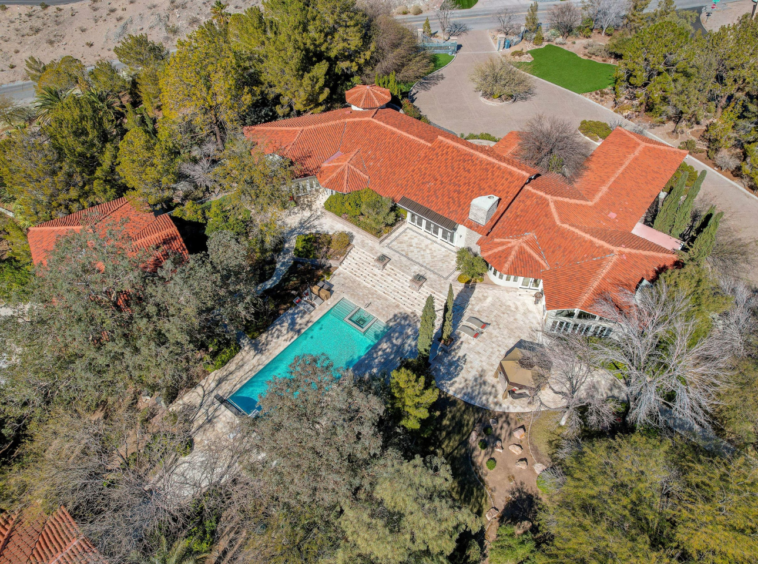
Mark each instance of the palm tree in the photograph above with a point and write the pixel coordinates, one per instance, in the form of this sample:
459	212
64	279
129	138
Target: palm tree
48	99
179	553
219	13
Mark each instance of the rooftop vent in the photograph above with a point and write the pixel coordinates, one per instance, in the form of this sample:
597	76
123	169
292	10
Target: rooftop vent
482	209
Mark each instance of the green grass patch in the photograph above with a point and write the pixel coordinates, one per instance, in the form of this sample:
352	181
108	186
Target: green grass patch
440	60
569	70
465	4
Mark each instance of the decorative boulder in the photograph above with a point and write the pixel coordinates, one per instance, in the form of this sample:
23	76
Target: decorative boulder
515	449
493	421
519	433
492	513
473	437
539	468
523	463
499	446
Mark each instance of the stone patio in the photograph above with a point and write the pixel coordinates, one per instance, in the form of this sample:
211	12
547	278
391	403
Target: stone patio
425	251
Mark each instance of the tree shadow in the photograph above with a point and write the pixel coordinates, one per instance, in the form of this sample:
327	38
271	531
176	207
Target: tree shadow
521	506
425	84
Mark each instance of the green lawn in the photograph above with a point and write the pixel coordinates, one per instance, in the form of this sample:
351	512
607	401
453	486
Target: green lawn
568	70
440	60
465	4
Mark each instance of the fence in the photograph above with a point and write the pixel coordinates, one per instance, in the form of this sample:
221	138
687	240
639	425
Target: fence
449	47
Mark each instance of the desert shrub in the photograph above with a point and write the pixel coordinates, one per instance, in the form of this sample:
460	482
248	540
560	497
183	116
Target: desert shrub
539	38
595	130
416	10
519	53
491	463
3	7
488	431
340	242
482	444
689	145
471	265
484	136
726	160
552	144
597	50
585	28
497	78
610	31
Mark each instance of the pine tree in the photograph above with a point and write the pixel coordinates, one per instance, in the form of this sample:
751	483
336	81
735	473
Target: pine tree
426	330
427	29
538	40
532	19
684	213
409	397
447	315
703	244
664	221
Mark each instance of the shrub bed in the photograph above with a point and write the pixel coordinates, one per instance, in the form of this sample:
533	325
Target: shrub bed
365	209
491	463
595	130
322	245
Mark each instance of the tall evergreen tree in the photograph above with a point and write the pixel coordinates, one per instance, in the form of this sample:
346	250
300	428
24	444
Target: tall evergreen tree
664	221
684	213
447	315
427	29
532	19
703	245
410	398
426	330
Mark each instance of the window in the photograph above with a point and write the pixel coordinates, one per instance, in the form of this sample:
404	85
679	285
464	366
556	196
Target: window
500	275
525	282
585	315
564	313
535	282
447	235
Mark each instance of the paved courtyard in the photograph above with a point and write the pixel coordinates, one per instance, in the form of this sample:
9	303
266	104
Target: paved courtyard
425	251
449	100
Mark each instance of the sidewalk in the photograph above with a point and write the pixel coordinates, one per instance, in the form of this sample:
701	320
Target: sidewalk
726	14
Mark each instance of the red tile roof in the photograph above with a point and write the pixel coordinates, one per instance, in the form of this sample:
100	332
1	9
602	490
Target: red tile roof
368	97
576	238
398	156
145	228
585	229
31	537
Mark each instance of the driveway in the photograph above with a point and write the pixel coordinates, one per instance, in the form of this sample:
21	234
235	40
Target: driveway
449	100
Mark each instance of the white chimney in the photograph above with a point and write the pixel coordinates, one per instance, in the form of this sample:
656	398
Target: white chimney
482	209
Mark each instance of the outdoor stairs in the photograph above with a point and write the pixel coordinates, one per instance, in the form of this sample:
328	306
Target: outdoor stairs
391	282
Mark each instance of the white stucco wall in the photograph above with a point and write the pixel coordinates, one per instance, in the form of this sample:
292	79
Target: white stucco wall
465	237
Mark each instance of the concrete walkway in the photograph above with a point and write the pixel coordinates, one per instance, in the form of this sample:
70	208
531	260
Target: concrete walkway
450	101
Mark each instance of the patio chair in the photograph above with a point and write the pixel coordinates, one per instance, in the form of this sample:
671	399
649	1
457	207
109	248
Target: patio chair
318	301
308	306
478	323
465	329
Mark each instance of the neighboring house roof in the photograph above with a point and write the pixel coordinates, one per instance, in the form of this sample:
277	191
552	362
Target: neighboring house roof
576	237
146	228
368	97
31	537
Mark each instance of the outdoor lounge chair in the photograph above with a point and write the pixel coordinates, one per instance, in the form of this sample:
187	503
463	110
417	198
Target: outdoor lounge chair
478	323
230	406
473	333
318	301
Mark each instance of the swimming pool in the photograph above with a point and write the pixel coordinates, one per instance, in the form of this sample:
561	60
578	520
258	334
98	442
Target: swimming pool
343	342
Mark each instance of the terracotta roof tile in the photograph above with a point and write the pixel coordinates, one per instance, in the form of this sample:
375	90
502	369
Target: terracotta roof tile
31	537
145	228
344	172
508	144
368	97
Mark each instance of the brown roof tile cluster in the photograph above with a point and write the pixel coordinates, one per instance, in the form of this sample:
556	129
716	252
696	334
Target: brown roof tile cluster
144	227
31	537
575	237
368	97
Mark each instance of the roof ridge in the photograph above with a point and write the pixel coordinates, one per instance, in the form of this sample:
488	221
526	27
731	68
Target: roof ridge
613	178
645	140
483	155
596	279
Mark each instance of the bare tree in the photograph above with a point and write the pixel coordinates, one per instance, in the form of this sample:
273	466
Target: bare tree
444	17
499	79
506	22
655	354
565	17
574	378
553	145
606	13
198	171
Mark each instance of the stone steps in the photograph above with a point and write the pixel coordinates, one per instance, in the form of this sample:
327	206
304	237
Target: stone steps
390	282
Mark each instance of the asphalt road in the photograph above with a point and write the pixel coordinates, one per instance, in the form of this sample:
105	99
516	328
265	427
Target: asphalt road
485	17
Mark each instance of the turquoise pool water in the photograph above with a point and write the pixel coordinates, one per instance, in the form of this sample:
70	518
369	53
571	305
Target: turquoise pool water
330	335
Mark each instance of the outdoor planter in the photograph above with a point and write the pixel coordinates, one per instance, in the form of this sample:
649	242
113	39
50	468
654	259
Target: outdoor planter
417	281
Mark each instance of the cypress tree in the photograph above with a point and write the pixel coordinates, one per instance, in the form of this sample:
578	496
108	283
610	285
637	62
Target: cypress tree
532	19
427	29
664	221
684	213
426	330
447	315
703	245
